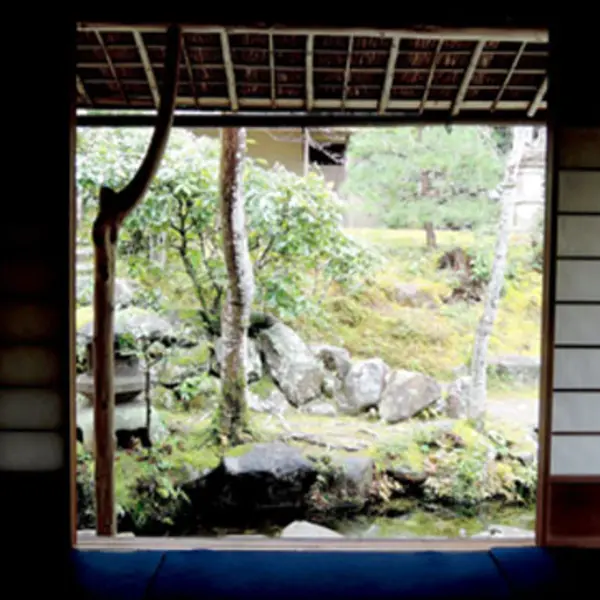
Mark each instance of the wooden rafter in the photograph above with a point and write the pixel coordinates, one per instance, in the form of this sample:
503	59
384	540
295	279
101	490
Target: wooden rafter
229	72
272	76
310	45
111	66
82	91
536	102
190	72
141	47
347	71
464	85
389	75
510	73
434	61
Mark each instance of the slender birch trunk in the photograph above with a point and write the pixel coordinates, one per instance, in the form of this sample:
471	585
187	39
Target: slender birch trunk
232	419
478	389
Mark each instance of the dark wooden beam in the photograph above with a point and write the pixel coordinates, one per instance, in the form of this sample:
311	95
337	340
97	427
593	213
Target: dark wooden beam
434	61
139	42
347	71
510	73
389	75
310	42
272	71
466	81
315	119
535	104
111	65
229	71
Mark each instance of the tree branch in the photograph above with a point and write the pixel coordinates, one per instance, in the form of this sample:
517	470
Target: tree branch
132	193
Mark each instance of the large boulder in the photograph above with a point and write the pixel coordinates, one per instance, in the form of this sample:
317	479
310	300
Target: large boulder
406	394
319	408
182	363
253	363
355	474
274	404
408	294
456	405
125	291
291	364
260	482
363	386
136	323
335	360
304	529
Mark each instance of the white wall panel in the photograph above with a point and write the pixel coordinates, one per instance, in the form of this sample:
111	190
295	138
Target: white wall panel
29	409
29	322
575	455
577	325
579	236
31	452
576	411
29	366
577	368
578	280
579	191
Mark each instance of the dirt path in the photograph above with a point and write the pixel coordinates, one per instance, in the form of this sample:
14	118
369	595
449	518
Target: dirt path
519	411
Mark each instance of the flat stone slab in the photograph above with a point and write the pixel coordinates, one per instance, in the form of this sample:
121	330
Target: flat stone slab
128	417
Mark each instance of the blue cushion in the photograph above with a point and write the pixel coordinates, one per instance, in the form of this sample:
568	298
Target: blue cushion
114	575
292	575
527	570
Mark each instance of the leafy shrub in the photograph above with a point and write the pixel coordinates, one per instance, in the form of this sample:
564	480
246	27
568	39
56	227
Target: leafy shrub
297	245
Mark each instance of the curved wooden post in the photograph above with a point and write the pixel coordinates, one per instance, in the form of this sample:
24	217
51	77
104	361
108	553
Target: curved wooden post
114	207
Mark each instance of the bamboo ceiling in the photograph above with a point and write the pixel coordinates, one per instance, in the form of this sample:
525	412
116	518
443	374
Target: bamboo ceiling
397	75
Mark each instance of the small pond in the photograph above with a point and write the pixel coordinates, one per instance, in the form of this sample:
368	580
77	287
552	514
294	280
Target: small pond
422	523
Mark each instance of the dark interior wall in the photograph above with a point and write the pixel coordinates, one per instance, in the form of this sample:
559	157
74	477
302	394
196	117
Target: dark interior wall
36	325
442	15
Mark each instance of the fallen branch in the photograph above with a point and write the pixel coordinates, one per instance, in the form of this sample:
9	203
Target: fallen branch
370	432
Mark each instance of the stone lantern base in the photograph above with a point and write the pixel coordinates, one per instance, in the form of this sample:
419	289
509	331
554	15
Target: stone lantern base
130	422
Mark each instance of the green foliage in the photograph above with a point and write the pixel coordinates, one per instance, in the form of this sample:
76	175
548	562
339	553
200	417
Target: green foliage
454	214
148	482
415	175
297	246
195	392
467	468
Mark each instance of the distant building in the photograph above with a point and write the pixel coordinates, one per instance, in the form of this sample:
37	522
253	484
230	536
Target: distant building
530	189
326	152
287	146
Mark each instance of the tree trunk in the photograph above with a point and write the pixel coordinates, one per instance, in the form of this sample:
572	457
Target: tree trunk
478	389
430	235
147	397
114	208
305	151
105	234
232	420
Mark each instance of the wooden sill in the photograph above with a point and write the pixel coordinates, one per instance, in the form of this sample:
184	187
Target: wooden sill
324	545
